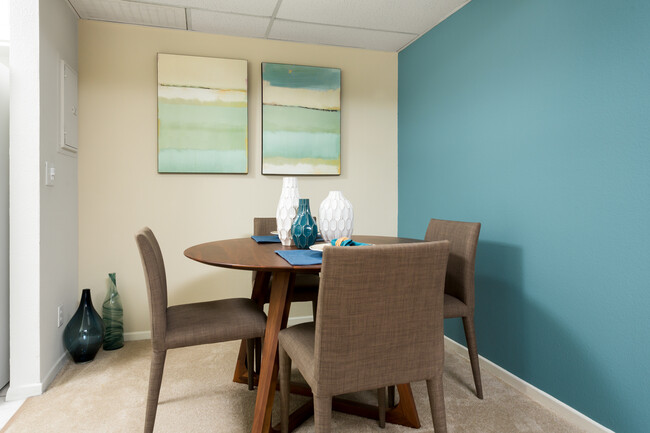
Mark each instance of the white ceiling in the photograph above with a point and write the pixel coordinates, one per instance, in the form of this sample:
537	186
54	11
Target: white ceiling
385	25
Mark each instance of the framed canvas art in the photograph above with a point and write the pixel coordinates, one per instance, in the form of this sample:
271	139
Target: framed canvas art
202	115
301	120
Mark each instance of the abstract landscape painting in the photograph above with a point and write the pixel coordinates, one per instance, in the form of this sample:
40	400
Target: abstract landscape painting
301	120
202	115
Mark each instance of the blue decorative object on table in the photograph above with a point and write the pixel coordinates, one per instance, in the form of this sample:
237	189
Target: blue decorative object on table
84	334
304	230
346	242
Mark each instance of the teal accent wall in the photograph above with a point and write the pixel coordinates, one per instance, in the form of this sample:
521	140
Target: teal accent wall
533	117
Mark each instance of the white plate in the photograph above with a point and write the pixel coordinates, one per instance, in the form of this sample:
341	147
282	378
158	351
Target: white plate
317	247
274	232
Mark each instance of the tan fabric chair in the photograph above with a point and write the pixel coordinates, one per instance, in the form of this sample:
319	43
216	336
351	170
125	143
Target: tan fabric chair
305	287
459	284
380	322
189	324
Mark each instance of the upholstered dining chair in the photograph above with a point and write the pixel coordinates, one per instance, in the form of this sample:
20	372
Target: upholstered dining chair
380	322
459	284
189	324
305	288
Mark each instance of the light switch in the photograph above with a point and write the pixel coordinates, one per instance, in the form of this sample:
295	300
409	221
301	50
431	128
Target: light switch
50	173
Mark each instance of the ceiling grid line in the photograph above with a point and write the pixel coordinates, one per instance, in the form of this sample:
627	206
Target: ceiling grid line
275	12
381	25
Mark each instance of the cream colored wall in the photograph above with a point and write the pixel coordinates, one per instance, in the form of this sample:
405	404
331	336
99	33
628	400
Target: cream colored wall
120	190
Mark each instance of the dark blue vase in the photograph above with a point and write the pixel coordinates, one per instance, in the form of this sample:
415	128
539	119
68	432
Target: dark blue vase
84	333
304	230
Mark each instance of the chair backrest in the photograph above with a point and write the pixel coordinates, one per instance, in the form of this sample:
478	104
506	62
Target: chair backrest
380	315
463	240
264	226
156	279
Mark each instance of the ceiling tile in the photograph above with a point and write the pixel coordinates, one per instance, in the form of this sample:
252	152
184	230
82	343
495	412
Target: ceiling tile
411	16
130	13
339	36
228	24
248	7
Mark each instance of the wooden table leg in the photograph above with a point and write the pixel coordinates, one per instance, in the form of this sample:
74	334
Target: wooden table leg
259	287
277	319
404	413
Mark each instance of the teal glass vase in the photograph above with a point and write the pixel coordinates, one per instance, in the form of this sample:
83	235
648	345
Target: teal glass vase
113	315
304	230
84	333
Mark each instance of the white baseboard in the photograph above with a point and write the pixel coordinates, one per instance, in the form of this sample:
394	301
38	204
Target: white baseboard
298	320
562	410
135	336
51	375
24	391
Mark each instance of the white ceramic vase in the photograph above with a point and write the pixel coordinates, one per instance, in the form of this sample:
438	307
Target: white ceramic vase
287	209
335	216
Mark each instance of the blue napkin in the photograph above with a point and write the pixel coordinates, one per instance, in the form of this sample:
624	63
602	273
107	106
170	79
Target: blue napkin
266	239
347	242
273	239
301	257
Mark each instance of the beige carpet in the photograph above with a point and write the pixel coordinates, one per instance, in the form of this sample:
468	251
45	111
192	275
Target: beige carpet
198	395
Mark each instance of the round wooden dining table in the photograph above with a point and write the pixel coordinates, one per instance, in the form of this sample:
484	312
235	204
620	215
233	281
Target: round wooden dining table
247	254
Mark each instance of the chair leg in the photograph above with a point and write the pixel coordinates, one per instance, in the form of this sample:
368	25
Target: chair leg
250	349
155	379
391	396
285	375
470	336
381	405
437	403
314	307
258	355
322	413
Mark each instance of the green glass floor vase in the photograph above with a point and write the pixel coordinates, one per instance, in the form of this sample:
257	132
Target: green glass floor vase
113	315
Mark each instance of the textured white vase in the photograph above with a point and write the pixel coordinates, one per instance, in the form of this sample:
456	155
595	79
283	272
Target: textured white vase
287	209
335	216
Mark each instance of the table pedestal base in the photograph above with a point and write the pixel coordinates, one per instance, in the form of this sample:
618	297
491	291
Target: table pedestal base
404	413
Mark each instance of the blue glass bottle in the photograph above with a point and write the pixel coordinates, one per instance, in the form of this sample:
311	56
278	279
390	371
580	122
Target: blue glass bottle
304	230
84	334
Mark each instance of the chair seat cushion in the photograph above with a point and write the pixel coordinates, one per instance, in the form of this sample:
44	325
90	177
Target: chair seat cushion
454	307
213	322
298	342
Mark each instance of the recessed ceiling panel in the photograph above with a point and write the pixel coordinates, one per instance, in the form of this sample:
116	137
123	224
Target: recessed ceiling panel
340	36
411	16
228	24
247	7
131	13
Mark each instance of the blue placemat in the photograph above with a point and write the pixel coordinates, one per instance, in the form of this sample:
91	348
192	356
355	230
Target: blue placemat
301	257
266	239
